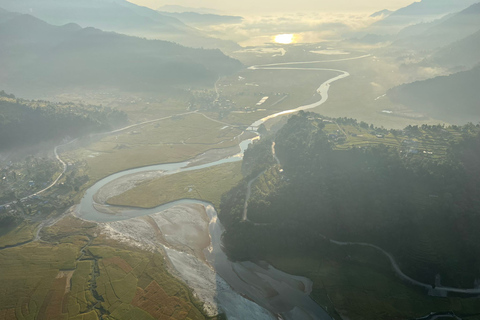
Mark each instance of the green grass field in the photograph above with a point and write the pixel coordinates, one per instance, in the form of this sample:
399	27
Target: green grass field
172	140
205	184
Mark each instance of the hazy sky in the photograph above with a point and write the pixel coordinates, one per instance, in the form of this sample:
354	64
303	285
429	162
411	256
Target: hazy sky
265	6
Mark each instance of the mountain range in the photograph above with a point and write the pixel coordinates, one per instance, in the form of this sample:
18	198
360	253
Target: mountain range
39	57
116	15
417	12
434	35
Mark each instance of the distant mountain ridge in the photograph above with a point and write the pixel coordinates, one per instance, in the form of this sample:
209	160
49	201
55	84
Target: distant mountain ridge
461	54
180	9
115	15
444	32
102	14
37	56
417	12
381	13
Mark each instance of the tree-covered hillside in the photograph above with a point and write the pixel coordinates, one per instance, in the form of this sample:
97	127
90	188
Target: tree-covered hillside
25	122
421	206
423	209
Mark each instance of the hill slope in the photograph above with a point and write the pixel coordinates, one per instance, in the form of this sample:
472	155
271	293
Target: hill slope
463	53
454	98
25	122
444	32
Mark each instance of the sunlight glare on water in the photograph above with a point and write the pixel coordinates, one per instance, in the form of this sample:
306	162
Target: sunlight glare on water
284	38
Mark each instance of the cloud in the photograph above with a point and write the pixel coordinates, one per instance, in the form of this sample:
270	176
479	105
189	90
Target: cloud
310	27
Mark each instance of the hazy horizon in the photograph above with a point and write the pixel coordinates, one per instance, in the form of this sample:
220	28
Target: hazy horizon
260	7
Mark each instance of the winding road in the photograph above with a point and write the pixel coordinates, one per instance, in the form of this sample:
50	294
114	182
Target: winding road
404	277
64	169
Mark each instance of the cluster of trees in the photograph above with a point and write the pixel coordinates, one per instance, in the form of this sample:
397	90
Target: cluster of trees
7	222
24	122
425	211
258	157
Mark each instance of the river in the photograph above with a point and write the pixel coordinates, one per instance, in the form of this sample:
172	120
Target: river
271	293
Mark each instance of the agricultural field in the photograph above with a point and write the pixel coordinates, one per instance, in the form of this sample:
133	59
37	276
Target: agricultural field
250	87
33	281
74	272
171	140
136	285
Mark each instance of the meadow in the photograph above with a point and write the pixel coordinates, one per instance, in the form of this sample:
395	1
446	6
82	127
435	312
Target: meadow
206	184
171	140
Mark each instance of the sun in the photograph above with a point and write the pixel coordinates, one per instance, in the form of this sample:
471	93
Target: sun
284	38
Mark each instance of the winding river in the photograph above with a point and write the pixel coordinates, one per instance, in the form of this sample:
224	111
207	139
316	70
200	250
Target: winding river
246	290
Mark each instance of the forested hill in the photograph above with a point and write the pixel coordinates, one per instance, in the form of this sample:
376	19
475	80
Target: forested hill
24	122
37	56
422	206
